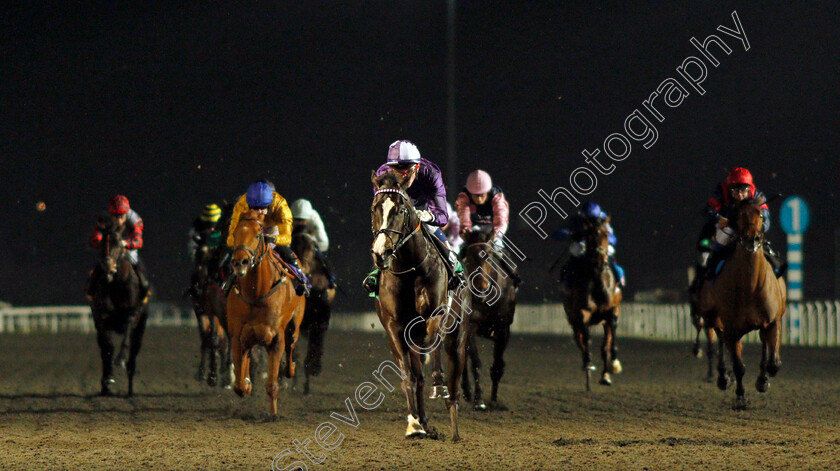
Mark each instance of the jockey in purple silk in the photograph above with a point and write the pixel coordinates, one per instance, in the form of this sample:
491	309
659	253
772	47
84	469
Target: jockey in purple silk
428	195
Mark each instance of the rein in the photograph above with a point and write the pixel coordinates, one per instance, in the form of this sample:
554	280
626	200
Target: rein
253	261
404	238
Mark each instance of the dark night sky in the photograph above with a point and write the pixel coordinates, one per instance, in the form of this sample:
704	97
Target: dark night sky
177	106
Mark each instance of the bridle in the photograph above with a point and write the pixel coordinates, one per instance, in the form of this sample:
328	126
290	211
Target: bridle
751	243
110	261
404	234
262	247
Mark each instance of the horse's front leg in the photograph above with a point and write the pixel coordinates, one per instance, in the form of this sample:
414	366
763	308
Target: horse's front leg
723	380
774	341
241	363
733	342
710	353
762	383
473	357
455	345
400	351
136	340
605	354
106	353
581	335
275	355
497	369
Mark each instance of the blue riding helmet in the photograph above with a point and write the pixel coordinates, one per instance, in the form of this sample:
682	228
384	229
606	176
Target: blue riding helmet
259	195
592	210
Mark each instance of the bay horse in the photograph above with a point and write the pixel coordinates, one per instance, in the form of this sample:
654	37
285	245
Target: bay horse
316	317
413	301
746	296
593	298
119	313
701	326
493	303
210	305
262	307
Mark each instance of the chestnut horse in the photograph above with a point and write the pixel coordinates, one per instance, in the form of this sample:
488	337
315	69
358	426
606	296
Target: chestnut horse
316	318
413	301
746	296
209	304
119	314
262	308
593	298
493	303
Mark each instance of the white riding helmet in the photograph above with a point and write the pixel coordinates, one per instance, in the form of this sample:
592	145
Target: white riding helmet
301	209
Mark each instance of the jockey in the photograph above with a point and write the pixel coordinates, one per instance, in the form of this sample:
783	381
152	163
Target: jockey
428	195
479	202
452	229
306	219
277	224
577	247
205	230
737	187
130	225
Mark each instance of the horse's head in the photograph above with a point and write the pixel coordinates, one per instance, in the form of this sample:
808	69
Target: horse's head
596	236
248	242
748	223
111	250
392	217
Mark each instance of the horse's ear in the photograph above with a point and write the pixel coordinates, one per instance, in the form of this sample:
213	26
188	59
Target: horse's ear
402	181
373	178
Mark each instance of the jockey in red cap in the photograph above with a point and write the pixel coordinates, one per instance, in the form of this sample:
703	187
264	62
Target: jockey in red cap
130	225
717	237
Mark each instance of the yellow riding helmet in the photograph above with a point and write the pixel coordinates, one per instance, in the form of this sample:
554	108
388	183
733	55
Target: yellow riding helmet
211	213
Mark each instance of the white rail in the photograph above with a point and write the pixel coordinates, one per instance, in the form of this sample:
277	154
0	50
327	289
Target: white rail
810	323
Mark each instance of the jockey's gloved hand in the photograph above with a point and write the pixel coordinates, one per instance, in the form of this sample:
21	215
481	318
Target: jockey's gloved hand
577	248
425	216
498	243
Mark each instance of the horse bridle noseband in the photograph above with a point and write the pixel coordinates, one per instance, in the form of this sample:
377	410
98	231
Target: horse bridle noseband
404	238
253	259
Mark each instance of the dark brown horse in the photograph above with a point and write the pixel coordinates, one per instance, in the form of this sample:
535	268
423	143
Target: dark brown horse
746	296
701	325
119	313
413	300
316	319
493	304
209	304
593	298
262	308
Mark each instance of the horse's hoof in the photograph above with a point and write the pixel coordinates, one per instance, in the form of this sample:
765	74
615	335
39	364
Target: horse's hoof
415	428
615	366
723	383
589	367
773	368
439	392
740	403
762	385
697	352
212	380
605	380
481	406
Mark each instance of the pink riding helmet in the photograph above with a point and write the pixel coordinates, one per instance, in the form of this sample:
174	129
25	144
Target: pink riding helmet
479	182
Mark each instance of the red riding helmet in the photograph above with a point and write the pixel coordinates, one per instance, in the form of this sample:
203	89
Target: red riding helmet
118	205
739	176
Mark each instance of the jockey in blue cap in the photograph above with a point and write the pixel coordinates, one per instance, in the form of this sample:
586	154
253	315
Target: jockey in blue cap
428	195
577	247
277	224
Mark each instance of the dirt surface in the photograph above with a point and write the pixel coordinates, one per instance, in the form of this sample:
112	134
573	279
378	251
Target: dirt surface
658	414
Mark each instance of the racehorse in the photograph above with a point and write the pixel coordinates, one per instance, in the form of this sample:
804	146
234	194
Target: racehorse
316	318
592	298
493	303
262	308
746	296
209	304
412	300
701	325
119	314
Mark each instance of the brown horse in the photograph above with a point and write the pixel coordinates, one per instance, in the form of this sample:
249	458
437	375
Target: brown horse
746	296
593	298
700	324
316	318
209	304
119	313
413	300
262	308
493	303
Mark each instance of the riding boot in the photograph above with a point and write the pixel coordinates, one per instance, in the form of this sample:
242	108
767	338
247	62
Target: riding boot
457	278
618	272
302	285
719	255
144	282
779	266
371	283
